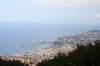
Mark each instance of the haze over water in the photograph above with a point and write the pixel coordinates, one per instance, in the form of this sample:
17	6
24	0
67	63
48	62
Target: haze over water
28	33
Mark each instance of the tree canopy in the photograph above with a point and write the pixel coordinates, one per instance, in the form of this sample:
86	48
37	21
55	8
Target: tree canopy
83	55
11	63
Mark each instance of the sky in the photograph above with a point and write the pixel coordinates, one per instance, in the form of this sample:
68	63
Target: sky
50	11
34	21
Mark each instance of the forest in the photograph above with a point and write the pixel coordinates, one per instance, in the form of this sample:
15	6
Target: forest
11	63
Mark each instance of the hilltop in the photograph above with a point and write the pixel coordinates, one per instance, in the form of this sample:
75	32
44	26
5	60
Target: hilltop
94	31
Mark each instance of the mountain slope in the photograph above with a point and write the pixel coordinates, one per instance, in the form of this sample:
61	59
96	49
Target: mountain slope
79	38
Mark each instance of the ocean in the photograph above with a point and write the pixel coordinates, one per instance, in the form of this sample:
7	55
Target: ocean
12	35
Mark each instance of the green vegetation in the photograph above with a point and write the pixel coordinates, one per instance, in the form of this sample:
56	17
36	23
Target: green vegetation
11	63
83	55
58	43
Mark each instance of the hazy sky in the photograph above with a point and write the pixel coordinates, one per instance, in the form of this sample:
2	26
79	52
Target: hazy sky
50	11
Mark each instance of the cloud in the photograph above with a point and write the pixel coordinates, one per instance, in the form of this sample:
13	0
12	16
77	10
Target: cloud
97	15
69	2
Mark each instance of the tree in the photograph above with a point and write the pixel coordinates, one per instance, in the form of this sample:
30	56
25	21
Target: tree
84	55
11	63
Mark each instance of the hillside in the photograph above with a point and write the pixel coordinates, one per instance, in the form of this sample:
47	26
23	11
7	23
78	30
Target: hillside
35	56
63	44
83	55
79	38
